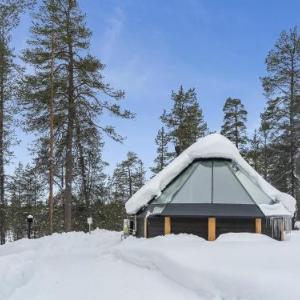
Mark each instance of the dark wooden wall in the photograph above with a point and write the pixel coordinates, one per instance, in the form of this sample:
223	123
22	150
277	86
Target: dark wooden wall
197	226
235	225
155	226
194	226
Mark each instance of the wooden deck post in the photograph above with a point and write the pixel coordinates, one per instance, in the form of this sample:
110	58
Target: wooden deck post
257	225
146	227
211	229
167	225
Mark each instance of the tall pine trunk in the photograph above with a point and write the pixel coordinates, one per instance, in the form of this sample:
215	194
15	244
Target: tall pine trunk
51	139
2	199
292	129
70	131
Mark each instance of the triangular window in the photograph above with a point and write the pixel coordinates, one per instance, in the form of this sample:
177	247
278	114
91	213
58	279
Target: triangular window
212	181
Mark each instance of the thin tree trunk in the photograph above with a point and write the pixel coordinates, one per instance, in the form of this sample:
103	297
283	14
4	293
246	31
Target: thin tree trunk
236	127
292	131
82	169
2	199
162	158
265	156
51	140
70	133
129	182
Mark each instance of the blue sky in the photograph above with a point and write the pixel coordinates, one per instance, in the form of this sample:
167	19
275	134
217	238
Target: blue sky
151	47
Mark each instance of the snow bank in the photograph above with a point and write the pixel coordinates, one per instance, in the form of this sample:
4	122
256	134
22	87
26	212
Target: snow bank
211	146
79	266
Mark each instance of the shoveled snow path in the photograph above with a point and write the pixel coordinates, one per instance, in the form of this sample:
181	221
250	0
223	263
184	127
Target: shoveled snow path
79	266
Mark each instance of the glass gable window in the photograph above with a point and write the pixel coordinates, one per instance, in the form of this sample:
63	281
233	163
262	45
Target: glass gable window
174	187
212	181
255	192
198	188
226	187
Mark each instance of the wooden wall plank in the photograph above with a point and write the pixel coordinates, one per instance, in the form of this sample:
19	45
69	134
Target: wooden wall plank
211	229
257	225
167	226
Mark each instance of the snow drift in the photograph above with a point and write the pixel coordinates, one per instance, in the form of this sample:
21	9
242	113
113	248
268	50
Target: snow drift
78	266
211	146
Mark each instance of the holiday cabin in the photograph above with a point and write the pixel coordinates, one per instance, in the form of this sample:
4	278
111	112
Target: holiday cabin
208	190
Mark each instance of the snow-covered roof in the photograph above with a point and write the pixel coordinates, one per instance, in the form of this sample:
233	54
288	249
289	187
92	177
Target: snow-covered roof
211	146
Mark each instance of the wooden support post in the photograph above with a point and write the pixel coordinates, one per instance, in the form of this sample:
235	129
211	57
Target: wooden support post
211	229
257	225
146	227
167	226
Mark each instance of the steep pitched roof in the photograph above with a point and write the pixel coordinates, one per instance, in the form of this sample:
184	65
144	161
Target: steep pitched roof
211	146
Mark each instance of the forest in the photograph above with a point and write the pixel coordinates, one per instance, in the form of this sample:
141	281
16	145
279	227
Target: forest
59	94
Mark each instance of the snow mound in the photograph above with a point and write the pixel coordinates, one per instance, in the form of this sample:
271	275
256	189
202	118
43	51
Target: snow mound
79	266
211	146
244	237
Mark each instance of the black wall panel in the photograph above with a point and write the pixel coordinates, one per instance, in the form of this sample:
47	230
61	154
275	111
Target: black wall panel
190	225
234	225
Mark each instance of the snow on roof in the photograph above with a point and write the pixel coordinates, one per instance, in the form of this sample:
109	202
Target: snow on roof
210	146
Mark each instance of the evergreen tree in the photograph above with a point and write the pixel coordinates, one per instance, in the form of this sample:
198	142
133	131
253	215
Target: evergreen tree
254	153
234	123
9	19
109	216
282	87
26	196
16	213
128	177
163	155
264	132
90	166
70	78
185	121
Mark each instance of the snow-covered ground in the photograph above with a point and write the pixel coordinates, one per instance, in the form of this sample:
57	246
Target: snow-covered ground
78	266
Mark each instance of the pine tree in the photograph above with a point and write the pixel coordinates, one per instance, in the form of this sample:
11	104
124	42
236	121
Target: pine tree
234	123
9	19
16	212
128	177
254	153
90	166
185	121
163	155
41	93
265	133
26	196
298	138
59	49
282	87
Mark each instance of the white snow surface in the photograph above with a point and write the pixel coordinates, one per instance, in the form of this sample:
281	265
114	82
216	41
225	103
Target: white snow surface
211	146
78	266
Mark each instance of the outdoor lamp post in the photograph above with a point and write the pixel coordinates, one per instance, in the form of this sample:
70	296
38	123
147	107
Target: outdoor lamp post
29	225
